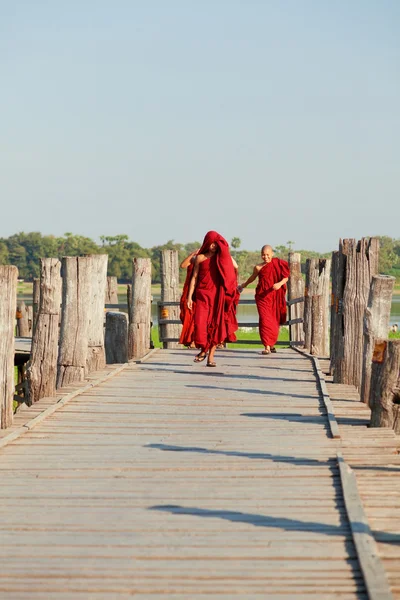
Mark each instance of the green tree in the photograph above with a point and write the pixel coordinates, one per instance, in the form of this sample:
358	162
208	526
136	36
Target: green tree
236	242
120	254
388	256
76	245
281	251
3	253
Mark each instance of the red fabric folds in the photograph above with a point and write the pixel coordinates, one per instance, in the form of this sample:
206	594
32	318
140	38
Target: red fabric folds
216	296
186	315
271	304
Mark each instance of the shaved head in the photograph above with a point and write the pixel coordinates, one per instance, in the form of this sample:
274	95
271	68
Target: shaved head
266	247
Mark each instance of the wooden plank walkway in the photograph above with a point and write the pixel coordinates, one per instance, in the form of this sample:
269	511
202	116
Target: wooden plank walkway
374	456
173	480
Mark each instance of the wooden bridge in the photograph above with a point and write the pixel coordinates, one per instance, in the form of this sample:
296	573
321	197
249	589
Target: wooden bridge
164	479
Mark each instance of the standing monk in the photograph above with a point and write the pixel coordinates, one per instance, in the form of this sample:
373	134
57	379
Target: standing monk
214	287
272	274
186	315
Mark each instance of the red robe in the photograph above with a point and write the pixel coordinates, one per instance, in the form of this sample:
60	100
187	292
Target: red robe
271	304
186	315
216	296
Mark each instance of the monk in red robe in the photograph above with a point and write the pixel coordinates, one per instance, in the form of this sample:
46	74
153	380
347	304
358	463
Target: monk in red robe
186	315
272	274
214	288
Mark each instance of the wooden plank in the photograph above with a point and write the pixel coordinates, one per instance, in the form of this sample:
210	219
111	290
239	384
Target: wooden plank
177	479
334	428
374	573
30	424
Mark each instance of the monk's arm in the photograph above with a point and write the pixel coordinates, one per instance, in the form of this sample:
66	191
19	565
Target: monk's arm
235	265
186	261
193	283
278	285
249	280
285	272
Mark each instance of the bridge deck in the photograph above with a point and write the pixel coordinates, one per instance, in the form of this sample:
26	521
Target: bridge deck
173	480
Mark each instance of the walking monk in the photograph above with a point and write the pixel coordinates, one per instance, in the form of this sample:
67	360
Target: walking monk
272	274
186	315
214	288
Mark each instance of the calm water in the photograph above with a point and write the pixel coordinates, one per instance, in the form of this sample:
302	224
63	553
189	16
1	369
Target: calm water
246	313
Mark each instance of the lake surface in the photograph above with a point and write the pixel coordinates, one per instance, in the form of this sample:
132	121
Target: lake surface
246	313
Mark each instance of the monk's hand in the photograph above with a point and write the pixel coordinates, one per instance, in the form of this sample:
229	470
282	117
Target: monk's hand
277	286
190	304
240	289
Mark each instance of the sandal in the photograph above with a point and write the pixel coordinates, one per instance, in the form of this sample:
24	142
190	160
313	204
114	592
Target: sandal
200	357
266	352
211	364
273	350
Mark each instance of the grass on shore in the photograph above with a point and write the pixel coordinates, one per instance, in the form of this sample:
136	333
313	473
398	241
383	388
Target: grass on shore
241	334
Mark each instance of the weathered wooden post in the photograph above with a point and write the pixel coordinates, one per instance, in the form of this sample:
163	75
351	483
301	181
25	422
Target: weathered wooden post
316	309
74	333
296	290
338	281
376	325
170	293
8	300
309	292
140	314
384	399
129	299
111	290
96	358
325	289
29	308
361	265
35	302
42	370
22	319
116	338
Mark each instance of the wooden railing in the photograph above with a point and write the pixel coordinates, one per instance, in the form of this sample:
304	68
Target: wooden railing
165	339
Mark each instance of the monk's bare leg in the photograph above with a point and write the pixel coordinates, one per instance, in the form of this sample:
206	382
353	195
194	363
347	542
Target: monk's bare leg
200	356
211	362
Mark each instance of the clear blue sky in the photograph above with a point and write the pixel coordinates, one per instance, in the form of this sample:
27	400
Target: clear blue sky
270	120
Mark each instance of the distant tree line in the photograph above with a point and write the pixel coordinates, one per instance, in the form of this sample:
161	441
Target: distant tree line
25	249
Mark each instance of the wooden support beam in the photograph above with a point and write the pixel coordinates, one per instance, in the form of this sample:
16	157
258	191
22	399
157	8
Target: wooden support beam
74	333
376	325
140	313
384	398
316	306
8	301
95	354
296	287
116	337
35	301
170	293
361	265
22	319
42	370
111	294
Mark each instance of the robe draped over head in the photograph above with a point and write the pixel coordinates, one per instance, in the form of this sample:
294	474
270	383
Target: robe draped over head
224	260
215	318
